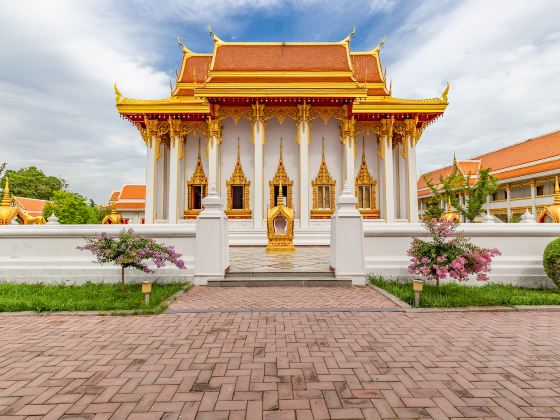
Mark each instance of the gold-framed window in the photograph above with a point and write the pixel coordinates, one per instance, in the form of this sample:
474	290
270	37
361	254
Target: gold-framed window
197	189
364	188
238	191
323	190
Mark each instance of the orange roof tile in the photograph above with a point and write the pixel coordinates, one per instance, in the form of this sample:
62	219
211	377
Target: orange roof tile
33	206
281	57
196	66
366	68
137	205
114	196
133	192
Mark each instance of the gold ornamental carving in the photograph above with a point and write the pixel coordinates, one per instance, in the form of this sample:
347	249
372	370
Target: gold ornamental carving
112	218
327	113
450	214
281	178
238	179
364	188
7	212
197	183
280	227
323	185
553	211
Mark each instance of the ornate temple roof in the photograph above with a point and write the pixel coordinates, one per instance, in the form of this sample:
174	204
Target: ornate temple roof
281	74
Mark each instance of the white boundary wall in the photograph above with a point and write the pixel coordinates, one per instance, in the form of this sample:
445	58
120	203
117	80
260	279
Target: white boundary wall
522	247
49	254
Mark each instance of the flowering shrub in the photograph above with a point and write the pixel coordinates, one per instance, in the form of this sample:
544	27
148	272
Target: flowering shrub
448	254
131	250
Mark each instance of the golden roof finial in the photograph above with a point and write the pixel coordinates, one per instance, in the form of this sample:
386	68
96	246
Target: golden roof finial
170	88
445	93
117	92
378	47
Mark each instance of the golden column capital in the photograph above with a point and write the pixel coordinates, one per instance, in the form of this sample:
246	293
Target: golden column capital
214	129
303	112
258	112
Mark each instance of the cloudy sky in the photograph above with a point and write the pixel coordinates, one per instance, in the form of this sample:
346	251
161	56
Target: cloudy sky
59	60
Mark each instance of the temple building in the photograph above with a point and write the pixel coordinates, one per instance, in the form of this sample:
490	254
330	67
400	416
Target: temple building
251	118
129	202
526	174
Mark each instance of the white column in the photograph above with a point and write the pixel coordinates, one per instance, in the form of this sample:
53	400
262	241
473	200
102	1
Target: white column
149	211
173	191
304	138
387	146
214	138
411	180
258	128
508	202
534	198
347	127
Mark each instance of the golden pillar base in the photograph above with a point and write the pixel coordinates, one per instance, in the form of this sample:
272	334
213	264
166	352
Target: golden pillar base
280	248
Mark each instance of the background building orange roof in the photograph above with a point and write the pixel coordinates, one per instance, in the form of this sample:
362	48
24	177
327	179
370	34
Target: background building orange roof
133	192
130	197
532	156
33	206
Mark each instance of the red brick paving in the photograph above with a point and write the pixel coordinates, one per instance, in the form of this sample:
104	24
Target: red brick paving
201	297
281	365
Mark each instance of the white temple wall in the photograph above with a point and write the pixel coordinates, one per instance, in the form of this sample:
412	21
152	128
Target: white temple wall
272	155
522	247
49	254
228	154
333	153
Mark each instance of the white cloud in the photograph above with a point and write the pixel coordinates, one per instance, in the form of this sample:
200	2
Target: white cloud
502	60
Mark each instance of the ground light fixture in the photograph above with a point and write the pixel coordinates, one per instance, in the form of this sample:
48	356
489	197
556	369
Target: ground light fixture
147	291
417	286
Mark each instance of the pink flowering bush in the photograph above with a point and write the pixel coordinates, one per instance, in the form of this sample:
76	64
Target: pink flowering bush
130	250
448	254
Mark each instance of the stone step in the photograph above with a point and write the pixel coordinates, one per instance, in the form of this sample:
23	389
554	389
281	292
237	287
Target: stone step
275	279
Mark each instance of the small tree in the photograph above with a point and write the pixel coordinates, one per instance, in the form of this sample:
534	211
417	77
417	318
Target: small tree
448	254
31	182
130	250
475	194
433	209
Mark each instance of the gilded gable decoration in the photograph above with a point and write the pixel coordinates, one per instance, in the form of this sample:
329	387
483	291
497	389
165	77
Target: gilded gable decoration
280	179
323	190
364	187
238	191
552	212
197	189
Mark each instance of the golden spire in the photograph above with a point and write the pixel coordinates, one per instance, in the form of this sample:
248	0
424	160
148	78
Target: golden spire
7	212
323	149
280	200
238	155
6	202
449	207
363	149
556	192
281	159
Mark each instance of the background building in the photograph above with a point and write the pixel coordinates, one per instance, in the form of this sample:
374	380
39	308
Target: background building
130	202
526	174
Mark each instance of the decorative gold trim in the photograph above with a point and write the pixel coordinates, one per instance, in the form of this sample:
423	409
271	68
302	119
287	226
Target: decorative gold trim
280	243
323	178
198	178
238	179
364	178
552	211
281	177
7	212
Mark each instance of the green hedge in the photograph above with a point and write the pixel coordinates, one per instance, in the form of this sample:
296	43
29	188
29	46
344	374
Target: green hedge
551	261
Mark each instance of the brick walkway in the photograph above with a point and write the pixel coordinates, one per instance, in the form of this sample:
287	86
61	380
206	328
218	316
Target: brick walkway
281	365
200	297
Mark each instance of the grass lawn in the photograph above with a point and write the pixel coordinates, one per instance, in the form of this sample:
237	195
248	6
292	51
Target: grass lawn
455	295
87	297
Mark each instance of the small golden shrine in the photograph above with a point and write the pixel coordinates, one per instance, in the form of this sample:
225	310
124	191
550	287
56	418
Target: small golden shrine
280	228
323	190
238	192
113	218
552	212
451	215
7	212
365	190
197	189
281	181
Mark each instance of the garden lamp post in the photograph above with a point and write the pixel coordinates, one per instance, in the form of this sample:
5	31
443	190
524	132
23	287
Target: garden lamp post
147	290
417	286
